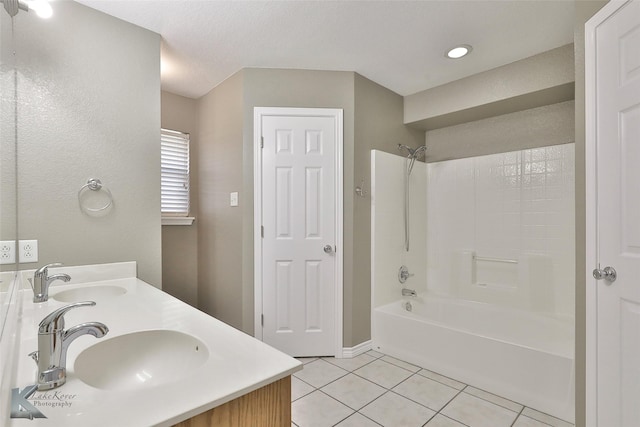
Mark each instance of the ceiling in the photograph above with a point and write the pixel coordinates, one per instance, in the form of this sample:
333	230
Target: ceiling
398	44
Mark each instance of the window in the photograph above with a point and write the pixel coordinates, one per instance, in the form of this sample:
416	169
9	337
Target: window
174	165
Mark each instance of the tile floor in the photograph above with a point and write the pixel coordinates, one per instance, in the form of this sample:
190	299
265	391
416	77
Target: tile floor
372	390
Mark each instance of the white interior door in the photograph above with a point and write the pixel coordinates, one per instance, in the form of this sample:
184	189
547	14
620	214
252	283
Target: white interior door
613	44
299	239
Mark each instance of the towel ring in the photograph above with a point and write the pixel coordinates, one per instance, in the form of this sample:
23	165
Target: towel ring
95	184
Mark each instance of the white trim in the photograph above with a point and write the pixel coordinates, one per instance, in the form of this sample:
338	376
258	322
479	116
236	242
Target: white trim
337	114
257	222
590	231
591	206
177	220
349	352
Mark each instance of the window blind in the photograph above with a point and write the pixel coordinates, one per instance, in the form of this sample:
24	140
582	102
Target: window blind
174	161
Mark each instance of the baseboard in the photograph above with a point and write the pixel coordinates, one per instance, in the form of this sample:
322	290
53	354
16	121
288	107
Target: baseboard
349	352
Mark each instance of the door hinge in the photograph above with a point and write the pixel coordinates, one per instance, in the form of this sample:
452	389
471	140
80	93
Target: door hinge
262	142
262	320
262	231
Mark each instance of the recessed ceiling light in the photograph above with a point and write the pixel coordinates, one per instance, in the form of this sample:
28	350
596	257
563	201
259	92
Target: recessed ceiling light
459	51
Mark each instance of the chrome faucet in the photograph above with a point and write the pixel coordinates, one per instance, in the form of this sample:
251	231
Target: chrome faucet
53	342
409	293
42	280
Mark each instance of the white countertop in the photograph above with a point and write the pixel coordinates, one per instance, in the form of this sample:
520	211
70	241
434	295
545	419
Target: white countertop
237	363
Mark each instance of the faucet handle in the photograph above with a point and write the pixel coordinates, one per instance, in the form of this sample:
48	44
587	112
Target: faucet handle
54	321
42	271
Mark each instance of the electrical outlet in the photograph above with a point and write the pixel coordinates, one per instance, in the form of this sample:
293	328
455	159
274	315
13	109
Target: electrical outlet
7	252
28	251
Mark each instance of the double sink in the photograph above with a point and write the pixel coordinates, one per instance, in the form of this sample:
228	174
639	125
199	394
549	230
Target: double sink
161	362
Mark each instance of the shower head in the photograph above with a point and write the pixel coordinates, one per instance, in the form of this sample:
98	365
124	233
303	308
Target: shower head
419	152
412	153
409	150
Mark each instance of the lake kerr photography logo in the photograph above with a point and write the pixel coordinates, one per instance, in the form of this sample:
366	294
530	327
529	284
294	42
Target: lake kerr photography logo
26	403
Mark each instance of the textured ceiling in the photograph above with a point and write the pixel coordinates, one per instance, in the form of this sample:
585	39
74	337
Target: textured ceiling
398	44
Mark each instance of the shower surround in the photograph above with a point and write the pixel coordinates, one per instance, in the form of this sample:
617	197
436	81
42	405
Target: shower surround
493	255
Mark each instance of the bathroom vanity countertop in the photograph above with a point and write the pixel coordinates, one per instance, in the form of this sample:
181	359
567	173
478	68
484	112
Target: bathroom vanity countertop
237	363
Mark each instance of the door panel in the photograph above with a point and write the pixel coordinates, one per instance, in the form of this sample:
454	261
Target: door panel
617	124
299	219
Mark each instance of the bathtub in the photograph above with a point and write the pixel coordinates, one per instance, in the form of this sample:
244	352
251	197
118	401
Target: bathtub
523	356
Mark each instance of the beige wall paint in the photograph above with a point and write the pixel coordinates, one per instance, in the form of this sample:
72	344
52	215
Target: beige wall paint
538	127
377	125
584	11
220	171
226	282
180	243
543	79
295	88
89	88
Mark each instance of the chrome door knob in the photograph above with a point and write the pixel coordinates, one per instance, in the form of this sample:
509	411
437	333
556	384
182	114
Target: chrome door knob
608	273
328	249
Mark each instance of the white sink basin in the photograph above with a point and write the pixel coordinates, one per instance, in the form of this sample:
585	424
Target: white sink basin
140	360
89	293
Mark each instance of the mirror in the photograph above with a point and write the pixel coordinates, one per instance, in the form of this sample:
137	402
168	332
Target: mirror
88	88
8	180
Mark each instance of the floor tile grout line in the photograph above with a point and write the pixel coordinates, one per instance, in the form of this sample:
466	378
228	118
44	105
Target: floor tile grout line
342	403
357	412
446	404
310	385
494	403
362	378
324	385
499	397
380	359
378	384
416	402
324	392
458	421
406	397
411	364
548	415
517	416
371	361
526	416
441	382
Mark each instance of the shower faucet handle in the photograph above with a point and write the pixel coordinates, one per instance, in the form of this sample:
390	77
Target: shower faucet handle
403	274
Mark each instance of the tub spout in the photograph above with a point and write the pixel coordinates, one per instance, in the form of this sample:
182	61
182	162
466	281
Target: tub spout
409	293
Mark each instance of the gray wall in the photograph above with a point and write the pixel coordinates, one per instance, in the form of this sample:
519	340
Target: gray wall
225	162
89	107
295	88
584	11
537	127
377	125
180	243
220	164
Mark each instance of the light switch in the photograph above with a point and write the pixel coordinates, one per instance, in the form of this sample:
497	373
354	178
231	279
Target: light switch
233	199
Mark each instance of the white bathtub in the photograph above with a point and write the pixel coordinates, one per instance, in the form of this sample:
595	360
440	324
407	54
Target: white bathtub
523	356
